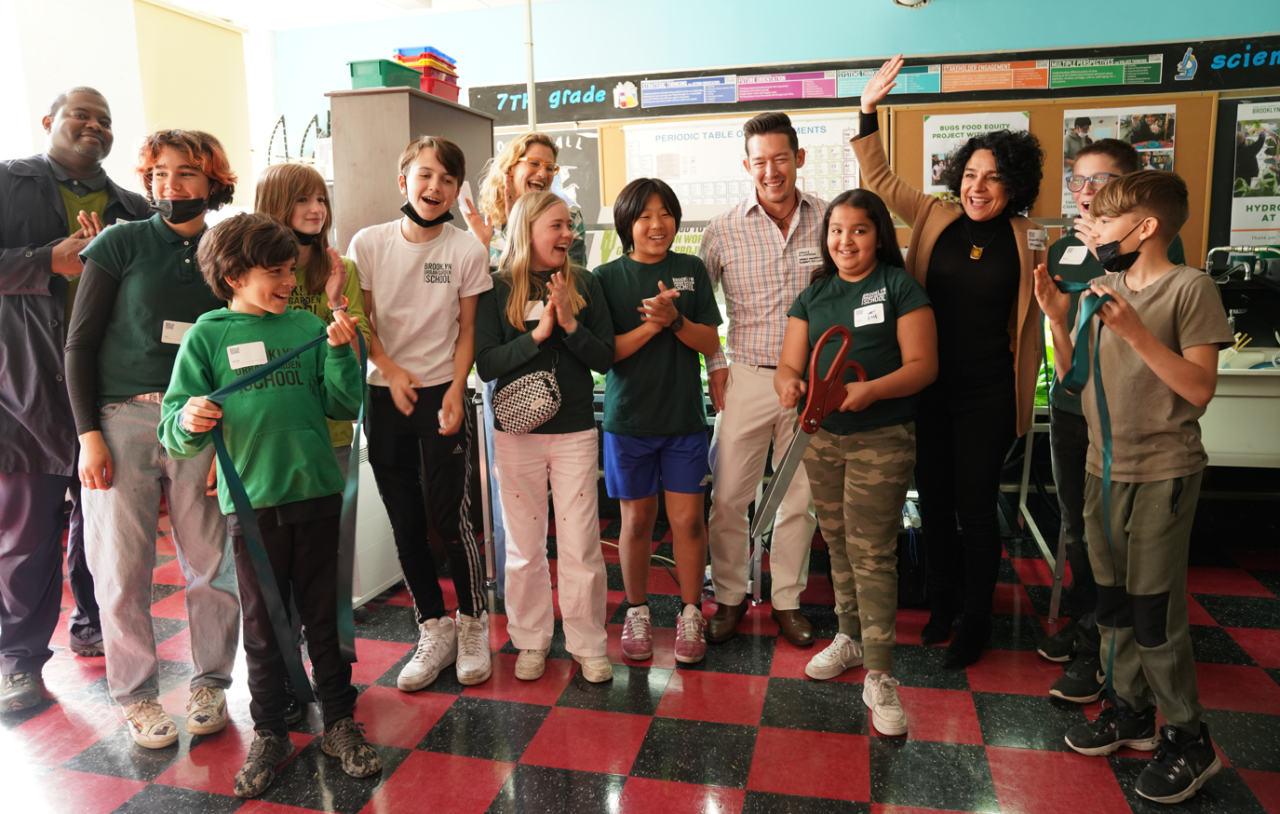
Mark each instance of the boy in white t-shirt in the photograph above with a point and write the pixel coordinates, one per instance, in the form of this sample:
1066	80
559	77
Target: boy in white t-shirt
421	278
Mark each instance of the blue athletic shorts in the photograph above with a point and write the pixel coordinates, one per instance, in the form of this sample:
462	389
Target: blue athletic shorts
636	466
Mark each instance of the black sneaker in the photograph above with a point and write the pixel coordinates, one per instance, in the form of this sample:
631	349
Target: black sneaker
267	751
345	740
1083	681
1115	727
1180	767
1060	646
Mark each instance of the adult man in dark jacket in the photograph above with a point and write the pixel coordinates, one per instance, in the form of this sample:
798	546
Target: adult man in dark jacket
40	243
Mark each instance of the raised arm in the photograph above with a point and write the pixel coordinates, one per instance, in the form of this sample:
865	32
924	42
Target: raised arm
904	200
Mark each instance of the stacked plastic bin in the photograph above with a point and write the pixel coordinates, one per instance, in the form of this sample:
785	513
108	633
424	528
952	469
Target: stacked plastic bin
439	70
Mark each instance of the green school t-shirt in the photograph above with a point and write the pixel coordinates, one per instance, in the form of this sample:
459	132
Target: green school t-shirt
870	309
656	391
1087	269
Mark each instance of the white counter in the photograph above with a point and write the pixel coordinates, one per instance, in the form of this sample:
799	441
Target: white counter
1242	424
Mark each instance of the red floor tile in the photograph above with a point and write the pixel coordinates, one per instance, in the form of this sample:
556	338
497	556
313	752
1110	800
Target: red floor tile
498	636
664	648
81	792
909	624
644	796
164	545
504	686
613	601
441	784
262	807
660	582
877	808
789	662
173	606
1079	783
816	764
176	648
1012	599
400	598
758	620
394	718
588	741
1243	689
64	730
718	697
212	765
1013	671
610	552
66	673
946	716
375	658
818	591
1226	581
1265	786
1035	571
1196	614
1264	558
1263	646
169	574
61	634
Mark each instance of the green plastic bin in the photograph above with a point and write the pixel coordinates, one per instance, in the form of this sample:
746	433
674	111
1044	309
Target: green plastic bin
382	73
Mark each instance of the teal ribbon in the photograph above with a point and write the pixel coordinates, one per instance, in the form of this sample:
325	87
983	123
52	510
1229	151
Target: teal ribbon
1074	382
253	534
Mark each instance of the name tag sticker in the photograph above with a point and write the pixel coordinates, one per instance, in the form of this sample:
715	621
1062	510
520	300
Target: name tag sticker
809	257
868	315
1074	256
533	311
172	332
247	355
1036	239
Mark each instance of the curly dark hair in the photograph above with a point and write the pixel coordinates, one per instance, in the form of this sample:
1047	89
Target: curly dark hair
887	250
241	242
1018	158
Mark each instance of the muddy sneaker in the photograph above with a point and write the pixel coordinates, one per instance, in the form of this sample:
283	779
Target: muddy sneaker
1115	727
475	662
531	664
691	643
637	641
437	649
206	711
93	650
880	694
150	725
1083	681
345	740
595	668
1180	767
267	752
1060	646
20	691
839	656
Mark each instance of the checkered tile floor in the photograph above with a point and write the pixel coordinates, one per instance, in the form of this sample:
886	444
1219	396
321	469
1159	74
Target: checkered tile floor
744	731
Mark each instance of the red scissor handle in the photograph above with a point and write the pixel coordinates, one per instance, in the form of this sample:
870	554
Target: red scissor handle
828	393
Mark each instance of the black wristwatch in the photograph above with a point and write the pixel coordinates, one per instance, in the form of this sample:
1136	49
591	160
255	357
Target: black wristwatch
676	324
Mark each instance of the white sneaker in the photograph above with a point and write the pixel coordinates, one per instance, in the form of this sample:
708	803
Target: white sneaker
475	663
150	725
839	656
531	664
437	649
206	711
595	668
880	694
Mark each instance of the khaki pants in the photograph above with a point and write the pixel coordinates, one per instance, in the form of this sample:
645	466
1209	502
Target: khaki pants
859	485
1142	591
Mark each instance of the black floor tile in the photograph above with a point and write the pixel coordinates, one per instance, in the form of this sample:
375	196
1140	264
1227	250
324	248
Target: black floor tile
166	628
1274	673
531	789
1242	611
1224	793
763	802
1040	596
709	754
918	665
390	623
1269	579
173	674
931	775
1022	546
663	610
158	799
161	591
164	559
635	690
613	572
117	755
667	550
1009	632
823	618
1213	645
1250	740
557	650
13	720
820	561
315	780
1008	574
743	654
820	706
446	682
612	531
491	730
1026	721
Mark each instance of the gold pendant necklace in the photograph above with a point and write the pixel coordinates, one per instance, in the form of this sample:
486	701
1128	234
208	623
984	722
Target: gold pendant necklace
975	253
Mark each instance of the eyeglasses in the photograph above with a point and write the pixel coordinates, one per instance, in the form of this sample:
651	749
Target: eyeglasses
537	164
1075	183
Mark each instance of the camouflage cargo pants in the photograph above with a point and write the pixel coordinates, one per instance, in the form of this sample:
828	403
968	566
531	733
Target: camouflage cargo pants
859	485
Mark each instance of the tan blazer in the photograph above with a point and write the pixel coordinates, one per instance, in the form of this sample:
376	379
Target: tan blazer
928	217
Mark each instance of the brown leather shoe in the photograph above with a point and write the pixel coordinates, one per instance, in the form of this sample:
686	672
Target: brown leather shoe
724	623
794	627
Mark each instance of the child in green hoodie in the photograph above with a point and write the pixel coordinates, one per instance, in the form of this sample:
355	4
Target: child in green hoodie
277	437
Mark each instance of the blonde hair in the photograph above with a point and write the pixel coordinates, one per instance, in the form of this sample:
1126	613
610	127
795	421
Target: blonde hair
494	189
1158	193
516	264
279	188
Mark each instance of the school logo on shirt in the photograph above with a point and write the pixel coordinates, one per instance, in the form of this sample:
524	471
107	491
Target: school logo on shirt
875	296
683	283
436	272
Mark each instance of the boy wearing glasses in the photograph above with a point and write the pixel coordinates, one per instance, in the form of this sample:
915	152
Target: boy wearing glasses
1074	257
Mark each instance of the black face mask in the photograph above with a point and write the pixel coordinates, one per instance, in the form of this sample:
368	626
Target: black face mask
1110	257
180	211
412	214
305	239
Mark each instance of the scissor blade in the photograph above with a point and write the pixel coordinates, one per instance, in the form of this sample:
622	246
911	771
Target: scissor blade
777	488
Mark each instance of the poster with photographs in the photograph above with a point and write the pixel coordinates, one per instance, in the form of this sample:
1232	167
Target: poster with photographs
579	158
1150	129
1255	193
944	134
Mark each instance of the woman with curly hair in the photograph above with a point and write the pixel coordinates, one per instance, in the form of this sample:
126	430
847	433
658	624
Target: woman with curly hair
140	292
975	259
